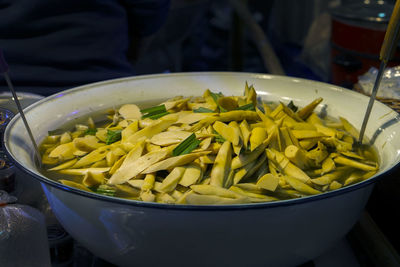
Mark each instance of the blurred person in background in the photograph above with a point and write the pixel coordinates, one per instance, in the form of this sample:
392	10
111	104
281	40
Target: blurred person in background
52	45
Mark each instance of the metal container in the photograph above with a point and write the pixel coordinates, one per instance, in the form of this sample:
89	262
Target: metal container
358	30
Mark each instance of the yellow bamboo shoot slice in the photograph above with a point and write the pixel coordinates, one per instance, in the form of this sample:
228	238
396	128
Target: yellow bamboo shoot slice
305	134
154	128
326	179
169	137
65	165
303	126
268	181
207	159
132	128
101	134
133	168
205	143
286	166
214	190
269	123
172	179
318	154
245	158
257	137
117	165
328	165
228	103
87	143
174	162
147	196
192	174
65	138
250	187
74	184
93	178
245	132
357	176
127	191
308	143
238	115
239	174
83	171
335	185
355	164
165	198
148	182
308	110
130	112
110	158
298	157
300	186
227	132
197	199
94	156
222	163
191	118
349	128
99	164
63	151
176	194
254	197
251	97
236	148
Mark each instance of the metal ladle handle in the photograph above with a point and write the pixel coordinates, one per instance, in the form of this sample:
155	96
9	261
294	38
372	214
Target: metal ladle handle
4	71
387	51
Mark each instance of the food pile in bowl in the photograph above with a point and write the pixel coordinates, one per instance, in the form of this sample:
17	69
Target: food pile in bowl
210	149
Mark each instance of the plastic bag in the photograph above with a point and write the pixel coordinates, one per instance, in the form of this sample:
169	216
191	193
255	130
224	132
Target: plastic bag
389	86
23	237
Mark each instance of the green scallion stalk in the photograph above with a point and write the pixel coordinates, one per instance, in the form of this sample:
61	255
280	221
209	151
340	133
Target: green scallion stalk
113	136
215	96
203	110
249	106
158	115
218	138
106	190
91	131
186	146
154	112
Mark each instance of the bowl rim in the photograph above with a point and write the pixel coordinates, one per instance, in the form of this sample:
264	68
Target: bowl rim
245	206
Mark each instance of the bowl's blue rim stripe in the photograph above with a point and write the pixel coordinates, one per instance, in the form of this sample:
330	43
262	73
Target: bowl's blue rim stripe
263	205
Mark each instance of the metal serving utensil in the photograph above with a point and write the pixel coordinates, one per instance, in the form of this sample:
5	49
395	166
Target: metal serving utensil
386	53
4	71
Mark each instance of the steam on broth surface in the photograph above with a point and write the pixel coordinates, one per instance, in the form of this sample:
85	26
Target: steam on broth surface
210	149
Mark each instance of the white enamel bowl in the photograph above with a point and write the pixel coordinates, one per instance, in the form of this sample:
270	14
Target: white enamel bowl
131	233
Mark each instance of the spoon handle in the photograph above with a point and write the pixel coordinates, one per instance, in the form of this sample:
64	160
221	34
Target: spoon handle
387	51
4	71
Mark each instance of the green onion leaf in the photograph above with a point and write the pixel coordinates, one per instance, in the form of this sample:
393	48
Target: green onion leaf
186	146
106	190
249	106
154	112
90	131
292	106
156	109
113	136
215	96
218	138
203	110
158	115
